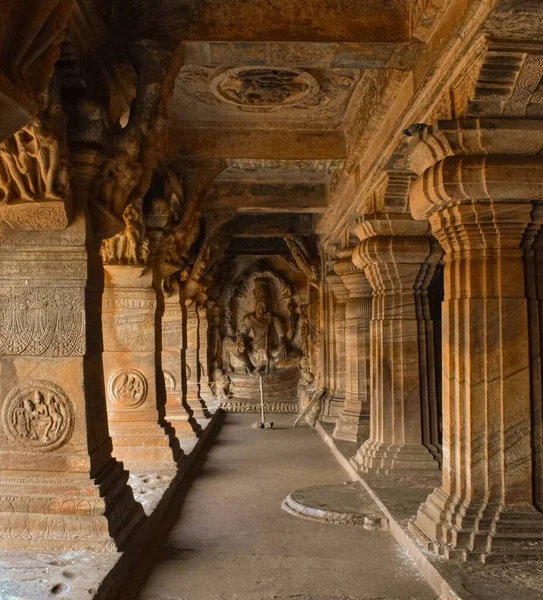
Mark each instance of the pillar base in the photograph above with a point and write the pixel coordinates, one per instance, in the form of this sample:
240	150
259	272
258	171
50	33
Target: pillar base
68	513
144	445
181	418
374	457
476	531
198	407
352	427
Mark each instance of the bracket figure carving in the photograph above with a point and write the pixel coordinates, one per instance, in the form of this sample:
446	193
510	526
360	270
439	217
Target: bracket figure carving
131	246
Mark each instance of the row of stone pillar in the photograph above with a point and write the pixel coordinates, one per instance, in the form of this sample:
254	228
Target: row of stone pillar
91	374
488	237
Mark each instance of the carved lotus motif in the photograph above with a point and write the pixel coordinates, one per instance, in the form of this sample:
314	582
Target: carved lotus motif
264	88
38	416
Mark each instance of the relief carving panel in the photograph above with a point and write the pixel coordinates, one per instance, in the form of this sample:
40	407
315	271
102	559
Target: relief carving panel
42	321
38	416
128	388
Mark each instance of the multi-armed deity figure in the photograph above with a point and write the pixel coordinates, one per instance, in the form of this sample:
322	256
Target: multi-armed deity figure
260	343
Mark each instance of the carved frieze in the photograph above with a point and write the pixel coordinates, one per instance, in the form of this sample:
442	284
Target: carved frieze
38	416
128	388
42	321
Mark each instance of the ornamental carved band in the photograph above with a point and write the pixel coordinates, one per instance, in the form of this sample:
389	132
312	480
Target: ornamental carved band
38	416
127	388
42	321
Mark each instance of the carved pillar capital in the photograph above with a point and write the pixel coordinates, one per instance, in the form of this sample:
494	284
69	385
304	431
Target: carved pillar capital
477	178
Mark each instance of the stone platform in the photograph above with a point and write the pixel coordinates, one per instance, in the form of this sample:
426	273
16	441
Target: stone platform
399	497
346	504
280	392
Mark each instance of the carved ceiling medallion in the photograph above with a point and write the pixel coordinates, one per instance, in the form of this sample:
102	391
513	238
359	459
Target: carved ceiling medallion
264	88
38	416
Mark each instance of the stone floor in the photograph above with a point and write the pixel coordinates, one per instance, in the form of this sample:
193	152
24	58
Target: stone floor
233	541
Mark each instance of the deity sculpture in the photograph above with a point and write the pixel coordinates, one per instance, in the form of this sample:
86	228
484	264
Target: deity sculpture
260	344
34	162
130	247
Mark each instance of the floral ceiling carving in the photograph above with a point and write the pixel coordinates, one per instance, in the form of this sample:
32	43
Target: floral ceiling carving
245	92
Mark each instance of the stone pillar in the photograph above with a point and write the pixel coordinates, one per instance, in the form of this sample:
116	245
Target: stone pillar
399	261
352	424
534	285
485	505
141	437
340	297
177	413
192	362
203	358
59	486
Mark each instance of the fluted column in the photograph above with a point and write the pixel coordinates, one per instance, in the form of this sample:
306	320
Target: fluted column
177	412
203	357
480	210
352	424
192	362
341	295
399	261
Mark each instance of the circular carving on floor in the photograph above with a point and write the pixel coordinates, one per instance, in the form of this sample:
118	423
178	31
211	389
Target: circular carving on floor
346	504
169	381
128	388
264	88
38	416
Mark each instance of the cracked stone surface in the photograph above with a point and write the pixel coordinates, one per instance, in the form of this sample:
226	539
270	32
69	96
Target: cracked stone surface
43	575
233	541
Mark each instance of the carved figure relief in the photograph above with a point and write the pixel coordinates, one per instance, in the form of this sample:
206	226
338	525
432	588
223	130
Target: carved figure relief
221	385
260	343
301	258
38	416
128	388
283	93
169	382
264	87
34	162
42	321
129	247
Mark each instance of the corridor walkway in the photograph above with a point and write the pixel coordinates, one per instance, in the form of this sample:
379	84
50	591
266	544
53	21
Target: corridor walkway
233	541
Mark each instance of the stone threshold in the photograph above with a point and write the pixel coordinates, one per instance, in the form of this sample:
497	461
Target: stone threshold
399	499
86	575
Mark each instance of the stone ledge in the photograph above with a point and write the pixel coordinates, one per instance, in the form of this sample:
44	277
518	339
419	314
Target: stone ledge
87	575
399	499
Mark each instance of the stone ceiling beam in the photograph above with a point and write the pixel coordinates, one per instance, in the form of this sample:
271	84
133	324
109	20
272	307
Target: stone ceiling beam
254	20
257	144
334	55
270	225
268	197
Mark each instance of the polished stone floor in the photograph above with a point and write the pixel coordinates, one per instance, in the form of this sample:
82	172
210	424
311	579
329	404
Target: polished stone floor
233	541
